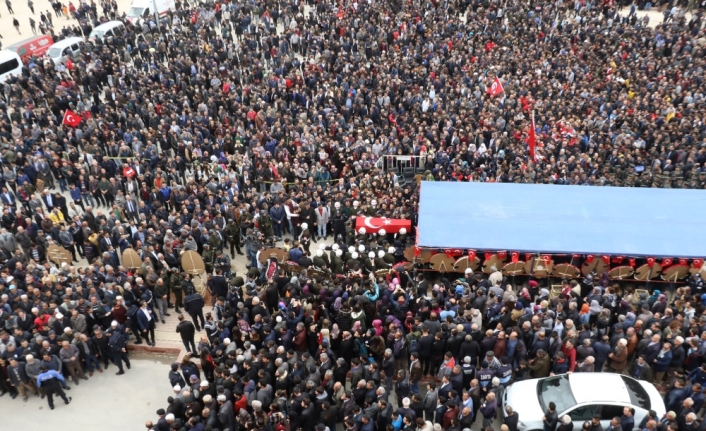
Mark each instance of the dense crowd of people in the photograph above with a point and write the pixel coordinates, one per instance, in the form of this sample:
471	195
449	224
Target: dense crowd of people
230	126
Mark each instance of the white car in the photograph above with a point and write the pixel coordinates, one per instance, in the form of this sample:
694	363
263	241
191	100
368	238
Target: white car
581	395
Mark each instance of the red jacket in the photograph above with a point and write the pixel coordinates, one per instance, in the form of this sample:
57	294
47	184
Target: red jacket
299	341
570	356
242	403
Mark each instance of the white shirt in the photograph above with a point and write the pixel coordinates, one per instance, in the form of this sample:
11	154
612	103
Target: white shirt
146	313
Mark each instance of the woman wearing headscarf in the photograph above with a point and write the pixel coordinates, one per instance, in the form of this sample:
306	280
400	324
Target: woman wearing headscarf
584	314
595	310
660	305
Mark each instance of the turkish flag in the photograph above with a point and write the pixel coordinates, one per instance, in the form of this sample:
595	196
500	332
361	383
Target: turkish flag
488	255
497	88
502	255
532	141
417	251
575	256
528	256
667	261
631	262
374	224
589	258
683	261
515	256
471	255
546	257
606	259
698	263
650	262
618	259
71	118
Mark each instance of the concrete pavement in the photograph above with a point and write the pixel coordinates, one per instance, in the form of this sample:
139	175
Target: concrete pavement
105	401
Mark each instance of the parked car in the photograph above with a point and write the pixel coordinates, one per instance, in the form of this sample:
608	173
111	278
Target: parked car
10	65
581	395
60	51
35	46
105	32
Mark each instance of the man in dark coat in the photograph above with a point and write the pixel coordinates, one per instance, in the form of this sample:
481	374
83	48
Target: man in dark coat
118	349
187	331
193	304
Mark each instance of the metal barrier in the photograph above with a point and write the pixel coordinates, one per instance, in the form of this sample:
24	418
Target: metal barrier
404	166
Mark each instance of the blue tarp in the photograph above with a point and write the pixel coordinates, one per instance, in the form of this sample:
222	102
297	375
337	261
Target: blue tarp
563	219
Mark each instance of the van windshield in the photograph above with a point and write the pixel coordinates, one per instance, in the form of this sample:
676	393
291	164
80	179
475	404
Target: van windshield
135	11
54	52
97	33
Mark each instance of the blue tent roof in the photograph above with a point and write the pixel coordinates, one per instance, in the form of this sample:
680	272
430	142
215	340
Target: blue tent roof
562	219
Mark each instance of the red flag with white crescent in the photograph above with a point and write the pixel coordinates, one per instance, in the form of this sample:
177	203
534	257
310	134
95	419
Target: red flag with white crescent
532	141
390	225
496	88
71	118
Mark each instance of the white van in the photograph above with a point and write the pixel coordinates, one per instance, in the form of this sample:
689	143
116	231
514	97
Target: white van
10	65
60	50
107	31
141	9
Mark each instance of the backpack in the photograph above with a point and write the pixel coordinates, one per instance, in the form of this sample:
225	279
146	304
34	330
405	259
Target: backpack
362	348
413	344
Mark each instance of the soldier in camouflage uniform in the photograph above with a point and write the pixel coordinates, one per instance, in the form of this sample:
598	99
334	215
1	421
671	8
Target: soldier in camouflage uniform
208	258
337	263
214	241
232	234
266	224
319	261
223	263
175	283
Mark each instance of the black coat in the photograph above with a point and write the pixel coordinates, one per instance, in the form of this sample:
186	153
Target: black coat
186	330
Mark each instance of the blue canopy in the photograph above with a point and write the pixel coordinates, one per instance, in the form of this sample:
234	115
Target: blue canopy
562	219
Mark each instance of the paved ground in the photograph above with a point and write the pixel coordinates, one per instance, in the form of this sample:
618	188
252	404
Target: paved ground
105	401
23	13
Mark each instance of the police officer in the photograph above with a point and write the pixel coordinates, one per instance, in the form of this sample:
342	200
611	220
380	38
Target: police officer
338	221
119	350
52	383
193	304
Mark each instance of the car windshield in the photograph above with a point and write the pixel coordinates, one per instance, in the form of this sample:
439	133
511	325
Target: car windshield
638	394
135	11
97	33
54	52
556	389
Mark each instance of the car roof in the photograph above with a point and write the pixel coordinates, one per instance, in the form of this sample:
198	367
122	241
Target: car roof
16	45
6	55
108	25
66	42
598	387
